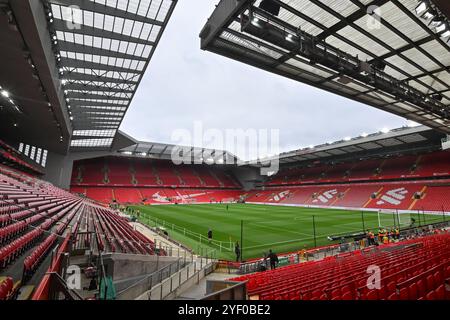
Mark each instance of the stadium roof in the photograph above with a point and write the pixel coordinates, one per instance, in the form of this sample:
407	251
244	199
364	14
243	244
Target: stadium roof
165	151
395	141
389	54
103	48
70	68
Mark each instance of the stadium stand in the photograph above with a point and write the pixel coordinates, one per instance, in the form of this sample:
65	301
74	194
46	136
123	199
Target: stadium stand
35	216
435	164
412	269
11	157
128	180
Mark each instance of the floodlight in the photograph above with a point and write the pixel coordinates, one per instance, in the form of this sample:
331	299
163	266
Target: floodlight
445	34
5	93
347	139
364	135
385	130
436	22
429	15
422	8
290	37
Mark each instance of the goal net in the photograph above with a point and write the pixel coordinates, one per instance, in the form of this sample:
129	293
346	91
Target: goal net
389	218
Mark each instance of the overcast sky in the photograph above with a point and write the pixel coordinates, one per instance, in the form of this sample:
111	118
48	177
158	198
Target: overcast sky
184	84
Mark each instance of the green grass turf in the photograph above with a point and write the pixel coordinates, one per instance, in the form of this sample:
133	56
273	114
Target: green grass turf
280	228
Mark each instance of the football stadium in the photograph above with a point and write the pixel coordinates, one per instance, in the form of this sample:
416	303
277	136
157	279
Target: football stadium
90	209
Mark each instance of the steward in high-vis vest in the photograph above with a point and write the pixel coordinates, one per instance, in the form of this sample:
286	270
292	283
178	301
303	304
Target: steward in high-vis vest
397	234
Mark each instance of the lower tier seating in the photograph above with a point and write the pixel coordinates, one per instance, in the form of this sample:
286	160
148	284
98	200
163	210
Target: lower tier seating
420	195
35	216
412	269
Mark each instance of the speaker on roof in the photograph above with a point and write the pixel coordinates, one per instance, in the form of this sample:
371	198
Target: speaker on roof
270	6
379	64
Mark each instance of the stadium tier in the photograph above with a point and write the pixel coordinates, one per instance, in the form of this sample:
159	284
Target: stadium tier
36	216
124	172
411	270
89	212
412	195
436	164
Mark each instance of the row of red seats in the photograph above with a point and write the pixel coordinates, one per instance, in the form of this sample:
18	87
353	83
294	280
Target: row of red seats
11	251
387	195
6	287
36	257
428	165
345	277
124	172
12	231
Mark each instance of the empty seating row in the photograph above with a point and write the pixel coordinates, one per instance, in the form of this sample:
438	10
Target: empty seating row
6	287
11	251
124	172
36	257
423	195
434	164
424	262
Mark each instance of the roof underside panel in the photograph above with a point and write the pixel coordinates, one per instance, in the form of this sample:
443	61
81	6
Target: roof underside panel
103	49
385	35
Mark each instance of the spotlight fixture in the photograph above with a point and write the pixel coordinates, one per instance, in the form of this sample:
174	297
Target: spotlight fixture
422	8
255	22
437	22
5	93
290	37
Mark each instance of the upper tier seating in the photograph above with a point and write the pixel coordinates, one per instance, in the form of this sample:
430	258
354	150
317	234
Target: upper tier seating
13	157
127	172
436	164
412	269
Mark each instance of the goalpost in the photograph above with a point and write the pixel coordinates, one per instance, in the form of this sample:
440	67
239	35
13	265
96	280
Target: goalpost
391	218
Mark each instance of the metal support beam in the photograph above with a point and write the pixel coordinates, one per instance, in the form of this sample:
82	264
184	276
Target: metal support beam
224	13
80	48
107	10
61	25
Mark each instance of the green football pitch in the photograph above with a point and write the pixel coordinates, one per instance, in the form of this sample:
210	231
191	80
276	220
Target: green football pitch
280	228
